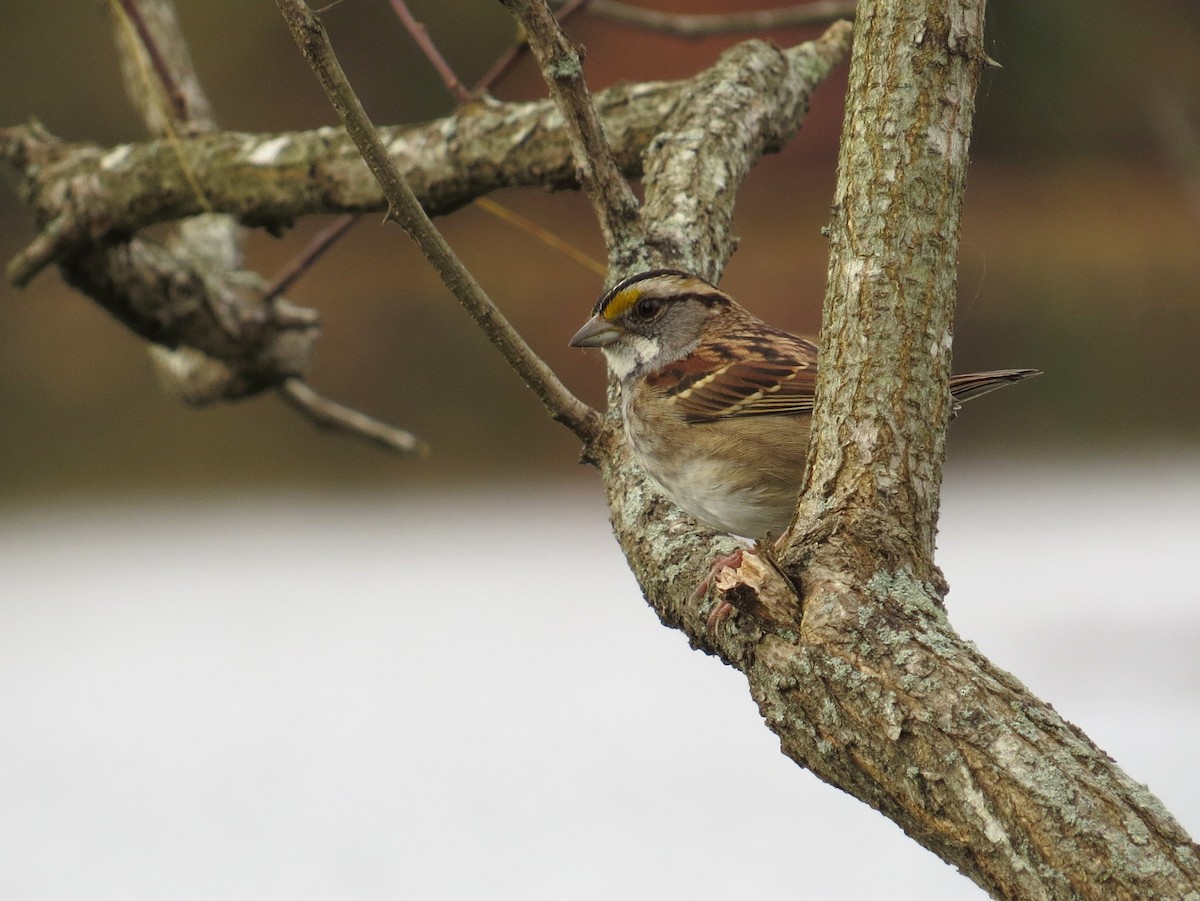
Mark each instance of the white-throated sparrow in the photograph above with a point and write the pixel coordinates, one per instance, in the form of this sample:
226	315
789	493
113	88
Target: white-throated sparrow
717	403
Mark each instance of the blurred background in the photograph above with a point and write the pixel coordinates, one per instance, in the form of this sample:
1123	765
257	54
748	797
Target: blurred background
215	650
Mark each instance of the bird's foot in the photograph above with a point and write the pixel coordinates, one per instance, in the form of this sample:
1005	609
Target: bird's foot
723	609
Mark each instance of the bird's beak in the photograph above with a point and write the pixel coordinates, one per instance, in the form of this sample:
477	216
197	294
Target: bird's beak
596	332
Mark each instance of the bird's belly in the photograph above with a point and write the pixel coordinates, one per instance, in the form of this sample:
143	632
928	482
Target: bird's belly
744	508
710	481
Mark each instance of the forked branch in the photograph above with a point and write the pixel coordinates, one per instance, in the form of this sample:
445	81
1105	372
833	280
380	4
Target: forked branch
694	26
405	209
558	59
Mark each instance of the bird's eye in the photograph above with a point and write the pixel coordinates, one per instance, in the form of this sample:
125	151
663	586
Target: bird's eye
647	308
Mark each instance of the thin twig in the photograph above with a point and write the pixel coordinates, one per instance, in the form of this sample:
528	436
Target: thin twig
545	236
517	51
50	245
328	414
681	25
694	27
169	85
171	89
612	200
420	34
312	252
403	207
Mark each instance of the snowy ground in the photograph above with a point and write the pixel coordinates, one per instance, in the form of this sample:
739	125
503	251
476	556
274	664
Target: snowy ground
332	697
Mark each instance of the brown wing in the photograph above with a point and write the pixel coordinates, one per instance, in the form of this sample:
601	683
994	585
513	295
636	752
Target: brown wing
745	375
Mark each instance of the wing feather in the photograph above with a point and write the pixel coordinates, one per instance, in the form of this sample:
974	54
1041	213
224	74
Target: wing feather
776	376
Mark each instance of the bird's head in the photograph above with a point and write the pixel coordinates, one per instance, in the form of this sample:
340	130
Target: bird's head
651	319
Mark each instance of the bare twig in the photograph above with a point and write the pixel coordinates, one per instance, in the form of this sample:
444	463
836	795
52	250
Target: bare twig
694	27
181	113
50	245
560	63
403	206
328	414
301	263
514	54
546	237
175	95
420	34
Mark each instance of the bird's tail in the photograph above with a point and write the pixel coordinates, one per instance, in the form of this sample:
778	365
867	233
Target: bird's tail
976	384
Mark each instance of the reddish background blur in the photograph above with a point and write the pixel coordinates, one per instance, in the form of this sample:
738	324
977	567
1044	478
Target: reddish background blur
1079	252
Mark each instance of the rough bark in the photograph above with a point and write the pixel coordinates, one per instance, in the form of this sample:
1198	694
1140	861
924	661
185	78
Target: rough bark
873	690
270	180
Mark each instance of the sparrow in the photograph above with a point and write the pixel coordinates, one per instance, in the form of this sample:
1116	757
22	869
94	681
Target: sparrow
716	403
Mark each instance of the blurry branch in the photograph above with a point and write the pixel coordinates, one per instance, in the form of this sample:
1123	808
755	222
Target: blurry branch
420	34
211	337
331	415
129	18
303	261
96	195
682	25
149	39
405	209
694	27
612	199
149	45
232	343
1179	136
133	15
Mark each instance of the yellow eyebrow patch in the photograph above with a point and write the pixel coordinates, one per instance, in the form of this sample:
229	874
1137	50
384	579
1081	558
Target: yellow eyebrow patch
621	302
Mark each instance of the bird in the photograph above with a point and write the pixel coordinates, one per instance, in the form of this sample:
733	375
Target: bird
716	403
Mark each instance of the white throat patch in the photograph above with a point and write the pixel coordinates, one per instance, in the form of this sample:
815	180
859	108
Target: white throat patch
631	352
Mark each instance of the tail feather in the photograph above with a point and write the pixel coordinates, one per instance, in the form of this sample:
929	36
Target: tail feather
976	384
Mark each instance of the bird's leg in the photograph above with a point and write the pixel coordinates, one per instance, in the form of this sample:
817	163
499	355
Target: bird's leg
723	609
750	591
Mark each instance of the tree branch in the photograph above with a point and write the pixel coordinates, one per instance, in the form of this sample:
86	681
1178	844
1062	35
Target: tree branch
162	69
749	103
303	261
874	691
328	414
514	54
889	306
212	338
149	39
561	65
420	34
102	194
694	27
405	209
